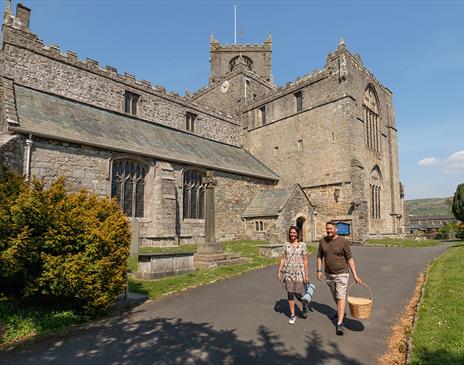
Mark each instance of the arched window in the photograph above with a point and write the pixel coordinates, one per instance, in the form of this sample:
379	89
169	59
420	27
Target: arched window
376	190
194	195
371	118
128	185
240	59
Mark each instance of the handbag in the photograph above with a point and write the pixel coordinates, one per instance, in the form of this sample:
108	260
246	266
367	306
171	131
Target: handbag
309	292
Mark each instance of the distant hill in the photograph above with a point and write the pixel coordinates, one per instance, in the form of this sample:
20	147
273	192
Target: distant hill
429	207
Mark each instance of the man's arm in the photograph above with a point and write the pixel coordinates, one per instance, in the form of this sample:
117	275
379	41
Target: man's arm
352	266
319	268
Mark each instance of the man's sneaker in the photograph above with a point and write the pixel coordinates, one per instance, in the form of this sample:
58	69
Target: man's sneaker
340	330
304	314
292	319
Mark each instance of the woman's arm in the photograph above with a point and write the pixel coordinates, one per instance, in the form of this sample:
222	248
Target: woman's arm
306	267
282	263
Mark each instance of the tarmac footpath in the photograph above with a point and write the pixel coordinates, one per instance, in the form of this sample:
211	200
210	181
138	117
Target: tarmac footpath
244	320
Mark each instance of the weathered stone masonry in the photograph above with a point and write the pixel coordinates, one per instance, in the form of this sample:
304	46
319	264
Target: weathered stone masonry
332	132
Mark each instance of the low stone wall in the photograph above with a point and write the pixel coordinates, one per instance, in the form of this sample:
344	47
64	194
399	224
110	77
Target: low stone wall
158	265
270	251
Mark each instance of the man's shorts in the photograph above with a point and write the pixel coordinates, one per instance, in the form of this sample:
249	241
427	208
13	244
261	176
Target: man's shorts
338	284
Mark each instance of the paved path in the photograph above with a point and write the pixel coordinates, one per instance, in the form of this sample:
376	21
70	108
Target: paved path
244	321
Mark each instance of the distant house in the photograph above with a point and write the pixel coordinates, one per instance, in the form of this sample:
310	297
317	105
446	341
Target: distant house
425	224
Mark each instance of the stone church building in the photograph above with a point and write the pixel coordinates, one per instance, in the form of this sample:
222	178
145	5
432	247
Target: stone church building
323	147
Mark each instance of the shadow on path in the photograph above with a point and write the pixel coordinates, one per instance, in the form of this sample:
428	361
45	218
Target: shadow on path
174	341
350	323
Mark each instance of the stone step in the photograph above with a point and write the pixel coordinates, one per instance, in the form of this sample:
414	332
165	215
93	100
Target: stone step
210	264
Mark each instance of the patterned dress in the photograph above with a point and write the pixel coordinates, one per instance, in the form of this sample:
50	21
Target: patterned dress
294	270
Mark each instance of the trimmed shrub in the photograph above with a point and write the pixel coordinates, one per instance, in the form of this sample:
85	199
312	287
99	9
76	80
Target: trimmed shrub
69	246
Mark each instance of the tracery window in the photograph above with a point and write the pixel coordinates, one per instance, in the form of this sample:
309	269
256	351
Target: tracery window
371	119
193	195
128	186
375	192
234	61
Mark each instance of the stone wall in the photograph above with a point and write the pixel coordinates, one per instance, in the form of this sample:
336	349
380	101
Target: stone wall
298	206
323	146
270	232
28	62
232	195
241	87
358	79
11	151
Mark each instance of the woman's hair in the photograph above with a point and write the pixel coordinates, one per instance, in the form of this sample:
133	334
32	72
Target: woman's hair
297	232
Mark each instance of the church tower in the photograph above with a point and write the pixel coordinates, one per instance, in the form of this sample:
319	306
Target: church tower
257	57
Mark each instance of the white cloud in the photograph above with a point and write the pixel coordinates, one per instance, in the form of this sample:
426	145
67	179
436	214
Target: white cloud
429	161
456	157
455	163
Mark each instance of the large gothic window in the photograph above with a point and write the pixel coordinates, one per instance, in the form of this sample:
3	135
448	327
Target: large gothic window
371	119
128	185
375	192
193	195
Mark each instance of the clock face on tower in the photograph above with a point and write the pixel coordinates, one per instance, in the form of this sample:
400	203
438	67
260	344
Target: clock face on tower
225	86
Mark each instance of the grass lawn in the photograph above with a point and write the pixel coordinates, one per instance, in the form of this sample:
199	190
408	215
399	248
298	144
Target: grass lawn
20	320
439	334
160	287
393	242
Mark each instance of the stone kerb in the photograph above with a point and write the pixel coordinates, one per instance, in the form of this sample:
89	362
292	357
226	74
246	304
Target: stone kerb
158	265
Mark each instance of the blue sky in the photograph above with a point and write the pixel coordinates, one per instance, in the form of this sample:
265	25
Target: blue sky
415	48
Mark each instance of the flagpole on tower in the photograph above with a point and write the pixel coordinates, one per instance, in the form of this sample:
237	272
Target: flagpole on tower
235	24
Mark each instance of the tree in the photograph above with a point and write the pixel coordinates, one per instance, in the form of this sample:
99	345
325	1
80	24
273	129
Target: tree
458	203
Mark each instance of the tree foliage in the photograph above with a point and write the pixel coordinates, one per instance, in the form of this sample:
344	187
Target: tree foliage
68	246
444	232
458	203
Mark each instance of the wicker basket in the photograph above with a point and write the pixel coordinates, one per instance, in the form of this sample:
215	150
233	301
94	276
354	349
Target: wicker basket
360	307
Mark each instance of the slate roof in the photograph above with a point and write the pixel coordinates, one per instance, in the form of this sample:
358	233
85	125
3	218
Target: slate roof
55	117
268	203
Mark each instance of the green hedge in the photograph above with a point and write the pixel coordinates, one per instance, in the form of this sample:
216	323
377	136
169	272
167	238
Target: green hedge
68	246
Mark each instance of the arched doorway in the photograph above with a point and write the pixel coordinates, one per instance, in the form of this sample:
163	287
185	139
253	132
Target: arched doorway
301	224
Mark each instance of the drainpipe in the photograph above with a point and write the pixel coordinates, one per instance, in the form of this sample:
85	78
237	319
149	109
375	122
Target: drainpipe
28	157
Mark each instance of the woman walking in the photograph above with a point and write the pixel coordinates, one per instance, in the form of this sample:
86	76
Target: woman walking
294	269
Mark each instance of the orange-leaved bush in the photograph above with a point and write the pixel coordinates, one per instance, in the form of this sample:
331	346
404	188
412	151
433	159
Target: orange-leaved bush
68	246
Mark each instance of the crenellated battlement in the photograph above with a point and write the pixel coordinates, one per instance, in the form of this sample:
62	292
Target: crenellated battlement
215	45
257	58
290	87
342	51
17	34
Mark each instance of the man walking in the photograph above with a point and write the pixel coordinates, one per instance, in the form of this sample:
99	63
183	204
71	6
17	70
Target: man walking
336	254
